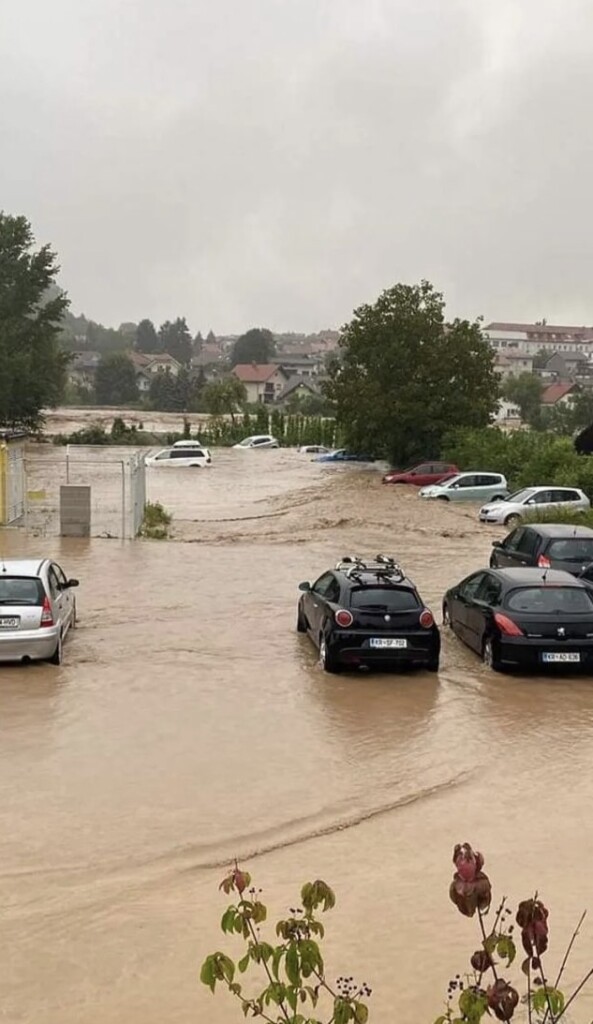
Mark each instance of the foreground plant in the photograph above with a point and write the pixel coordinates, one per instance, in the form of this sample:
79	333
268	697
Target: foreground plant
486	989
295	989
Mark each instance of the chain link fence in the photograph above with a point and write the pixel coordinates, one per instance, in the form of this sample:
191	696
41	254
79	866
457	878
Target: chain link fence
117	480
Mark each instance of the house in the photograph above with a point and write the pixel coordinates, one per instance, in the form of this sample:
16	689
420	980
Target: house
298	387
148	365
82	368
263	381
297	363
564	365
559	395
511	364
532	338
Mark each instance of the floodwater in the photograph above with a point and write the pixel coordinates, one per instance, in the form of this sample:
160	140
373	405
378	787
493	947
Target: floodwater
190	724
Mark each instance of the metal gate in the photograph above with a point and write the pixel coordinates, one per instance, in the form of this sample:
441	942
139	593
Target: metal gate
117	480
15	482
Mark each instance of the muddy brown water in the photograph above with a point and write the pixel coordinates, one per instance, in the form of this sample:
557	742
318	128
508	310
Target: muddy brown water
190	724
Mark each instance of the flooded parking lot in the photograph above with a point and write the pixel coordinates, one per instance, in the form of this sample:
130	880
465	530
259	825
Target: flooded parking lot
190	724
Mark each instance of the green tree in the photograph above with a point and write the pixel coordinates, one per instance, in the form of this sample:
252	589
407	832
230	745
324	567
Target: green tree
525	391
256	346
176	340
162	392
147	339
225	397
33	365
115	380
403	377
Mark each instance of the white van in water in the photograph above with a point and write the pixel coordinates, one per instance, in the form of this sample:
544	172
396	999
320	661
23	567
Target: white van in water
195	457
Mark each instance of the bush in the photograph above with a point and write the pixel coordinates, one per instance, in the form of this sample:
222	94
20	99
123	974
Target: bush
560	515
527	458
156	521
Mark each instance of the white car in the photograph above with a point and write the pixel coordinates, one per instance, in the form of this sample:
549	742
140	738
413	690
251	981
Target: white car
258	441
188	444
196	457
313	449
531	499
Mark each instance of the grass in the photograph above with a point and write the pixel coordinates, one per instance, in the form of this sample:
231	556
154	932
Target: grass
560	515
156	521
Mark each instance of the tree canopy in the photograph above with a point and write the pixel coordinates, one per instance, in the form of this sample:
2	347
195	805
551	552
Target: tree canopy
176	339
225	397
255	346
403	377
115	380
525	391
32	363
147	339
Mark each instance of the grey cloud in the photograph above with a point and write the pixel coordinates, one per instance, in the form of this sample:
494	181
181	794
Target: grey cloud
280	161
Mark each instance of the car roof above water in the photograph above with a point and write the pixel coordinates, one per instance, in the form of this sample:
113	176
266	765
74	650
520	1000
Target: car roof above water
564	530
371	579
532	576
21	566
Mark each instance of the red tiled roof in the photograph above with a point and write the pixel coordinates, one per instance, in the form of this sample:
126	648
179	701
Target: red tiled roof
555	392
255	373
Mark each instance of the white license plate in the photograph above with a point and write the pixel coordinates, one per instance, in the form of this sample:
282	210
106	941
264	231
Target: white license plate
384	642
6	623
561	656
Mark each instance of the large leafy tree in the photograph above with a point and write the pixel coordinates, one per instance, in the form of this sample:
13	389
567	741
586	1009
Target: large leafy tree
525	391
115	380
176	340
403	377
225	397
32	363
256	346
147	339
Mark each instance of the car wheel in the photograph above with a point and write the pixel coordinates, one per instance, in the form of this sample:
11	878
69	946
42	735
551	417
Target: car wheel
442	497
301	621
58	655
489	656
512	520
326	659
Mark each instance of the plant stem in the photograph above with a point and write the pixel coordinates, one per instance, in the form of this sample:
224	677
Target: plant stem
575	993
253	933
485	938
250	1004
529	992
566	956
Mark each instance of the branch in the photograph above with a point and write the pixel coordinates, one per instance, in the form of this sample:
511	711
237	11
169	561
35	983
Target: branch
575	993
485	939
566	956
253	933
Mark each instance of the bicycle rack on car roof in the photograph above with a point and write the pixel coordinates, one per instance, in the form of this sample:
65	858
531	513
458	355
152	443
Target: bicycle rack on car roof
383	567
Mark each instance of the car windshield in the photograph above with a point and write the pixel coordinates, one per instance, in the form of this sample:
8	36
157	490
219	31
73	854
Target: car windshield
520	496
384	599
246	442
20	590
449	480
572	549
551	600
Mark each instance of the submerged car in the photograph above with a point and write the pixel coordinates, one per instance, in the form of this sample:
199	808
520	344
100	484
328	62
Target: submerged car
423	475
258	441
180	456
533	499
343	455
472	486
529	618
313	449
545	546
37	610
366	613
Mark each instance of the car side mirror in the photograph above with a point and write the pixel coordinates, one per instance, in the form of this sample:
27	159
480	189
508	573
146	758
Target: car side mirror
496	543
304	586
71	583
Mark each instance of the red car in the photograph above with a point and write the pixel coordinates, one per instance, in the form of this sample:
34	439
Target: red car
422	475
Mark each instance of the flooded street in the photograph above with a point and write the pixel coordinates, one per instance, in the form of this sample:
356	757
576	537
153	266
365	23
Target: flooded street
190	724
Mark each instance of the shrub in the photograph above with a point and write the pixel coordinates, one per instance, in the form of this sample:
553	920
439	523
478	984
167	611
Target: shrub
156	521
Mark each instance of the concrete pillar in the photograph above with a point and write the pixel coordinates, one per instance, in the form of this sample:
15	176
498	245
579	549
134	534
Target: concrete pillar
75	511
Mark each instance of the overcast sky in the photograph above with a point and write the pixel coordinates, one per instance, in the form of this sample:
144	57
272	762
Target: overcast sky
278	162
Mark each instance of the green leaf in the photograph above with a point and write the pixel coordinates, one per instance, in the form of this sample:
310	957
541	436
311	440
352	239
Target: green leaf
276	958
228	920
244	963
441	1020
539	1000
227	967
342	1011
506	949
291	995
207	976
259	913
490	943
361	1013
292	964
472	1005
235	988
313	995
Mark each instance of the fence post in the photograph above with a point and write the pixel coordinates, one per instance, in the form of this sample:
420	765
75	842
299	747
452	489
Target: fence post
123	500
67	463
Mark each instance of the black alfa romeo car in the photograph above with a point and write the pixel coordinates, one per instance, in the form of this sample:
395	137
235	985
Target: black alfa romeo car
366	613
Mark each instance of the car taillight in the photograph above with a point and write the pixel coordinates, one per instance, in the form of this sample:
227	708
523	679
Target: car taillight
507	626
426	619
544	562
344	618
47	618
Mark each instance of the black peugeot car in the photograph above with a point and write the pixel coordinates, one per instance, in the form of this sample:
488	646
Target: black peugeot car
531	618
368	614
547	546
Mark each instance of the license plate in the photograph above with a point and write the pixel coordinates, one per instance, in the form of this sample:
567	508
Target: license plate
561	656
384	642
6	623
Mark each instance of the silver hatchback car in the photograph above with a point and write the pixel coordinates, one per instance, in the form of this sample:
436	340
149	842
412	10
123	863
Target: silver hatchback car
37	608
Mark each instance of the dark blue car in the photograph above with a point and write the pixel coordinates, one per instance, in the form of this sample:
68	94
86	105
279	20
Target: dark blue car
343	455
